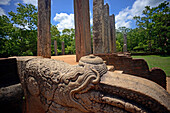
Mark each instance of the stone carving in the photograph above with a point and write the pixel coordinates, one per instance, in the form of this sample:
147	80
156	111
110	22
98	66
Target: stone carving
54	87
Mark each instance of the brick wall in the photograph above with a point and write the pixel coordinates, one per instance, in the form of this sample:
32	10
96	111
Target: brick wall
137	67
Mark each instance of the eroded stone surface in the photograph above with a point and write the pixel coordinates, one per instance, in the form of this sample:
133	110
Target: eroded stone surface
82	28
97	26
113	33
55	47
44	35
87	87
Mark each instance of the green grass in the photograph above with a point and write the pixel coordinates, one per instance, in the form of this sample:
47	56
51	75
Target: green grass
162	62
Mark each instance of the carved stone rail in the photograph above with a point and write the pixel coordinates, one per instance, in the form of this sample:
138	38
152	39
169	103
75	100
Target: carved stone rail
52	86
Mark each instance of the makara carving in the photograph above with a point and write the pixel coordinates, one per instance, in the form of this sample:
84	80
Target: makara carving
58	87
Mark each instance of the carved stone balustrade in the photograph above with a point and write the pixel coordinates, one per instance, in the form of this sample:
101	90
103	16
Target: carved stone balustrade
52	86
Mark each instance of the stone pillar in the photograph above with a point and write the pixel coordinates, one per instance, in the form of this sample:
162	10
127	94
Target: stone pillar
55	47
125	43
113	34
97	26
63	48
44	36
106	29
82	28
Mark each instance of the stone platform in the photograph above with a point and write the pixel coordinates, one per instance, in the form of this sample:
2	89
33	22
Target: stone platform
71	59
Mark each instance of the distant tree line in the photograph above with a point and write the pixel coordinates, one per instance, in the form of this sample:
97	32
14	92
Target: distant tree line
18	32
152	33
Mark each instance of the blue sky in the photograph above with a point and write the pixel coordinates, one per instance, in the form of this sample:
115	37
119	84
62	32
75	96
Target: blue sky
62	12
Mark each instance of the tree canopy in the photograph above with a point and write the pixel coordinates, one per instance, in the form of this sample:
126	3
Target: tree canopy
152	33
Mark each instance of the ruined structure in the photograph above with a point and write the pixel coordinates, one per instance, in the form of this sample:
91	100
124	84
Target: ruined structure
53	86
82	28
97	26
103	28
63	48
135	67
55	47
44	35
113	33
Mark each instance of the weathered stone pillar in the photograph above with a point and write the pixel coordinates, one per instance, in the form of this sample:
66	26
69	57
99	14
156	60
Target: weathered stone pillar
113	33
44	36
63	48
55	47
106	29
82	28
97	26
125	43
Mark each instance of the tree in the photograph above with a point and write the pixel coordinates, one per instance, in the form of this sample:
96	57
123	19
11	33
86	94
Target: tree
155	21
68	36
19	32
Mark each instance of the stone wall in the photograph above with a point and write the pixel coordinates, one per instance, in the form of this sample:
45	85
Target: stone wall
11	93
8	72
137	67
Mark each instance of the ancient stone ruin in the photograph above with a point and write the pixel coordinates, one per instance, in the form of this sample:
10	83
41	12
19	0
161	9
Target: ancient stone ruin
44	26
104	40
82	28
53	87
104	46
42	85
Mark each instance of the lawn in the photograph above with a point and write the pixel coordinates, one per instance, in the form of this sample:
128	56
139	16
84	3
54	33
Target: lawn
162	62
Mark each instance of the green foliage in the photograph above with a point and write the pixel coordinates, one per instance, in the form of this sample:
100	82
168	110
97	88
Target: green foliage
18	32
67	36
152	33
155	23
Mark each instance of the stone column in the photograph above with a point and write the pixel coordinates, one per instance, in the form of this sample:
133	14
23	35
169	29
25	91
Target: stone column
63	48
125	43
82	28
97	26
44	36
55	47
106	29
113	33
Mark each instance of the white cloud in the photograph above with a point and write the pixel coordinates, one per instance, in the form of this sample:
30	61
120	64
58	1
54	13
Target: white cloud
2	12
33	2
4	2
65	21
124	18
91	18
16	4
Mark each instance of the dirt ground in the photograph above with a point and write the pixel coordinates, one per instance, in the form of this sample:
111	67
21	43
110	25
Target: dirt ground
71	59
